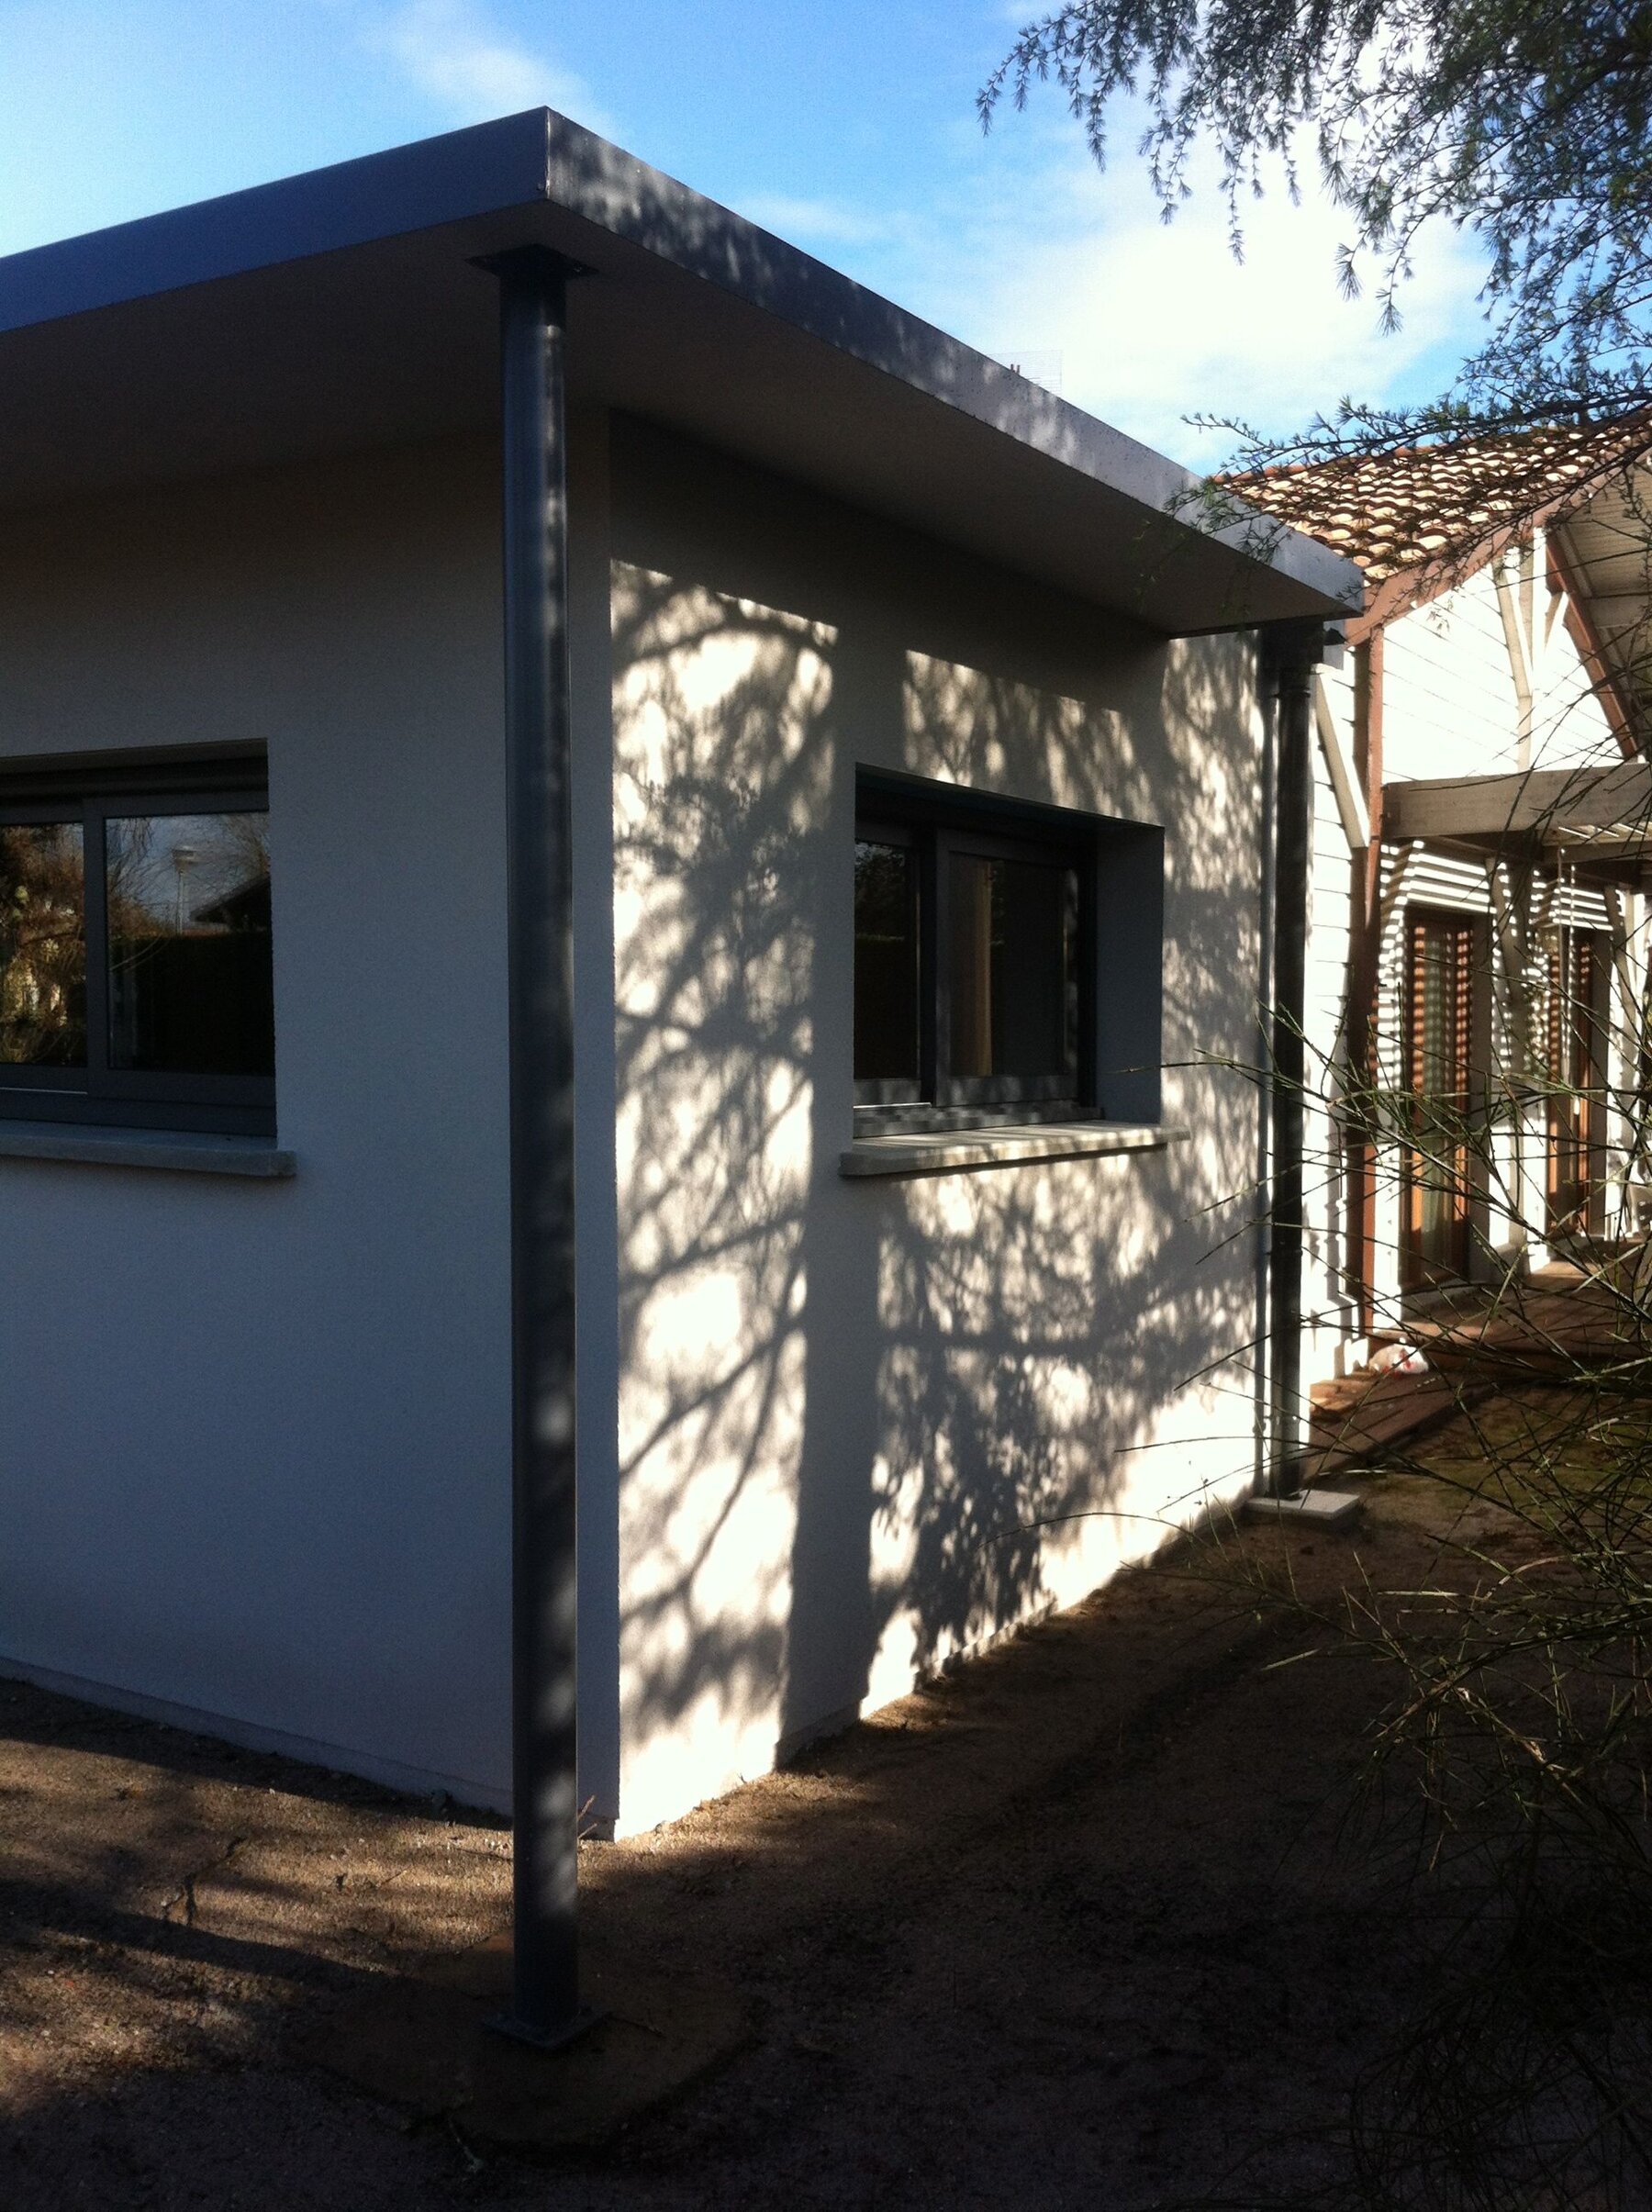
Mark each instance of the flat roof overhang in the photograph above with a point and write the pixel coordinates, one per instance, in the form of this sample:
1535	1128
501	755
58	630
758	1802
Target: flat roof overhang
1595	821
340	309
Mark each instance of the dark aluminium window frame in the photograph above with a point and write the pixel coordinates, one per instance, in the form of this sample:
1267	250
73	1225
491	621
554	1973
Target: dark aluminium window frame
1114	1073
92	789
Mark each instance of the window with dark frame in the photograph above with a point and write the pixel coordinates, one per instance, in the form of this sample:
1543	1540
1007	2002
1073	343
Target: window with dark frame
134	943
972	958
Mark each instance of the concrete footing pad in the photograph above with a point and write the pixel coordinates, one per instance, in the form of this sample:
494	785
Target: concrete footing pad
1308	1508
420	2042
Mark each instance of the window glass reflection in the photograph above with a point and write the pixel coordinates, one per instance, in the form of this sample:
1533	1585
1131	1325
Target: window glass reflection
885	963
1013	932
189	944
42	945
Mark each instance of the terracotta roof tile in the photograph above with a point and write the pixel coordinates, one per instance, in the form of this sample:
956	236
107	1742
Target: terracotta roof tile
1415	505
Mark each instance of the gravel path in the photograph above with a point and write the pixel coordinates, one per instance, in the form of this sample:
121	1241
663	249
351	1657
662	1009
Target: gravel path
1073	1928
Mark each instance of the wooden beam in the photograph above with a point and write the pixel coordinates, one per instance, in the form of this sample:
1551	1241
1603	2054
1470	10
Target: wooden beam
1542	803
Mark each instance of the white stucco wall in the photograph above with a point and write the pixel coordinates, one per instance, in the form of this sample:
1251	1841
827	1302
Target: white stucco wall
254	1456
845	1408
254	1459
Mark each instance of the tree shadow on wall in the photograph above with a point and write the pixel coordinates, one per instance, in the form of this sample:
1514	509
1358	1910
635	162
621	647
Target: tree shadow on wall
866	1418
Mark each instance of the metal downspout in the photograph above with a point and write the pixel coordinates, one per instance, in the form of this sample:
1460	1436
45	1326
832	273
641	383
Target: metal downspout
539	848
1265	958
1296	654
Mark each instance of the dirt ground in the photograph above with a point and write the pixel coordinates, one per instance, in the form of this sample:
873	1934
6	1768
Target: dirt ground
1081	1925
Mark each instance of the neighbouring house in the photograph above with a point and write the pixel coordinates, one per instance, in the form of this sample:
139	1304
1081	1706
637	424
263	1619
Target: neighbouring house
1477	945
913	751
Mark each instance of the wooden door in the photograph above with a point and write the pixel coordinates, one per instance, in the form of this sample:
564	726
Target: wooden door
1439	1055
1579	976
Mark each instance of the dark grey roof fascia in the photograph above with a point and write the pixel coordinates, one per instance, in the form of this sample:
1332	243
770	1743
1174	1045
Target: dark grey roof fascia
621	194
450	179
539	158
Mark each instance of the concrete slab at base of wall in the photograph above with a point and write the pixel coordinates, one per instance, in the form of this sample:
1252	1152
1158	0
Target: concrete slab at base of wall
333	1759
1308	1508
420	2040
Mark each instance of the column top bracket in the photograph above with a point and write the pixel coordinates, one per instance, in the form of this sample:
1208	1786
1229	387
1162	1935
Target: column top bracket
531	261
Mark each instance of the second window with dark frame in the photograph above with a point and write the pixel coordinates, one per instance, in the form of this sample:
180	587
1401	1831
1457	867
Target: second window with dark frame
973	958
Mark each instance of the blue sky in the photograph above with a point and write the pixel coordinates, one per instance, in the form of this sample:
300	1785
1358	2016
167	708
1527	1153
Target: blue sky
849	128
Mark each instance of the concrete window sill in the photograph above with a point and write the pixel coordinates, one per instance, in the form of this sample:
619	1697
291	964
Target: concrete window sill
183	1152
956	1151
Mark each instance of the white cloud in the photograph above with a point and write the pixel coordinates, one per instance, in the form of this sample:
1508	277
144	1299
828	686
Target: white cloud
1029	252
1153	321
450	51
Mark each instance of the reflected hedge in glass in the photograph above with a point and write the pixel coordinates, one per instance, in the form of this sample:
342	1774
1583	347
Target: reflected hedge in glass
1012	929
885	963
42	945
190	987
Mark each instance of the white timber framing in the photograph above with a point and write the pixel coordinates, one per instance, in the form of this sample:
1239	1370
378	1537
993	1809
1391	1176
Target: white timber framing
1345	784
1512	573
1512	925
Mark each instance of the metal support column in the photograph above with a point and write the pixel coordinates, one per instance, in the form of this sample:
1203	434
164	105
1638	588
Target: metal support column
539	840
1263	1227
1297	658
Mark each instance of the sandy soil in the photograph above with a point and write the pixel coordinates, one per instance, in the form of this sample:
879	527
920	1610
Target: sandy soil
1079	1927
